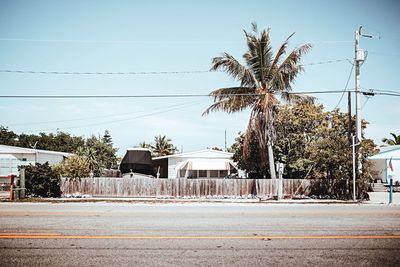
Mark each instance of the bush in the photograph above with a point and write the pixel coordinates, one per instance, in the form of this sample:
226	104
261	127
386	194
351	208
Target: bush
74	167
42	181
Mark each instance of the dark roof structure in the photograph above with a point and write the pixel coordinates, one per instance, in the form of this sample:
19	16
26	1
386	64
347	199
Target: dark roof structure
137	160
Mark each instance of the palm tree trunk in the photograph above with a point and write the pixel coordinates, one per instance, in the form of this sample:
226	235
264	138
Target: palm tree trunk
271	161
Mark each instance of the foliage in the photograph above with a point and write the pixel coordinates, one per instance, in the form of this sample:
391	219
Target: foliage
264	77
162	146
7	137
102	148
253	165
313	144
42	181
215	148
395	140
61	141
145	145
74	167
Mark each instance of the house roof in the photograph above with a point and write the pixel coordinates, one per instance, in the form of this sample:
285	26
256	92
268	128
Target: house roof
205	153
4	149
7	156
389	152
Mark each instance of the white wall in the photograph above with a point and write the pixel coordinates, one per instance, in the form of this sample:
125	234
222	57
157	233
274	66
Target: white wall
395	174
175	160
47	157
379	167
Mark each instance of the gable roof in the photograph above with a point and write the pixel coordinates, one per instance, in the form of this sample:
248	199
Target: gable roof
205	153
389	152
4	149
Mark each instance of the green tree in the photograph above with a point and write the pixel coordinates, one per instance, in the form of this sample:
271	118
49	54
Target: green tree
144	145
312	143
7	137
88	154
42	181
395	140
74	167
107	139
162	146
104	152
253	165
263	78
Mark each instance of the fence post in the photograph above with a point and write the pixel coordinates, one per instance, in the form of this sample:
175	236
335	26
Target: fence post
391	191
280	167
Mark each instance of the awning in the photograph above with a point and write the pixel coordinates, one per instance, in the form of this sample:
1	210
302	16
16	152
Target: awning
205	164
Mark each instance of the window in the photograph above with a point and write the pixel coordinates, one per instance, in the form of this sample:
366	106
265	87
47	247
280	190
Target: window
193	174
23	159
223	173
202	173
214	174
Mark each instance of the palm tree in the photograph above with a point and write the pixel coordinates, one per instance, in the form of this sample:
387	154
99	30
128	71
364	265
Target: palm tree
392	142
144	145
162	146
88	154
263	79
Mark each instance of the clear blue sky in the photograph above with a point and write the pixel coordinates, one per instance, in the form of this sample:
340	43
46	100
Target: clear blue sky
135	36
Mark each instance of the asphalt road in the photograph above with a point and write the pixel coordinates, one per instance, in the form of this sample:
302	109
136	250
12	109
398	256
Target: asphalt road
198	234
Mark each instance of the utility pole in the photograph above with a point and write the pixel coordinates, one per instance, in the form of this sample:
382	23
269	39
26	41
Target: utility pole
350	125
359	59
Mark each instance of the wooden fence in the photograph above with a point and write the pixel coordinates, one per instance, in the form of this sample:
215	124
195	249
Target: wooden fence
211	188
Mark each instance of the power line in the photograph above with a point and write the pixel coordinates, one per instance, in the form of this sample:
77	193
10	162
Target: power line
345	88
143	42
150	96
117	121
369	92
103	73
143	72
96	117
384	54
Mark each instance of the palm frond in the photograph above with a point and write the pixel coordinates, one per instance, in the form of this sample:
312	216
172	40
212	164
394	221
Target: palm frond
229	64
232	99
278	55
292	98
259	55
284	76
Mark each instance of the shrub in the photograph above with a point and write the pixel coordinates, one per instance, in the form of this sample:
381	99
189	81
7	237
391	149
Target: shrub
42	181
74	167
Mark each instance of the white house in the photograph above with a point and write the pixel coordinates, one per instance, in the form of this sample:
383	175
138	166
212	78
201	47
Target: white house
206	163
11	157
386	164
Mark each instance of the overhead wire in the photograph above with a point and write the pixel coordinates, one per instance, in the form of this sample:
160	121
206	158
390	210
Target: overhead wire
120	120
96	117
143	42
143	72
157	95
345	88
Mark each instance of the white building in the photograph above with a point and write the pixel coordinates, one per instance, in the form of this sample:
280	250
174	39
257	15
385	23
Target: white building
381	162
198	164
11	157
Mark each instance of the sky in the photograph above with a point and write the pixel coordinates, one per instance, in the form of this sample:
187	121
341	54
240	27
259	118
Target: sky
168	36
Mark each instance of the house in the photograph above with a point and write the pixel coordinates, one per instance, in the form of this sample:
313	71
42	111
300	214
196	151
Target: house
11	157
386	164
206	163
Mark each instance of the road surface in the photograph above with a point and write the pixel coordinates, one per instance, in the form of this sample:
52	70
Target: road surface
198	234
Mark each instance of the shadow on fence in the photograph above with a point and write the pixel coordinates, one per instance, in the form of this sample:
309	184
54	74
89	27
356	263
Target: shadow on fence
149	187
